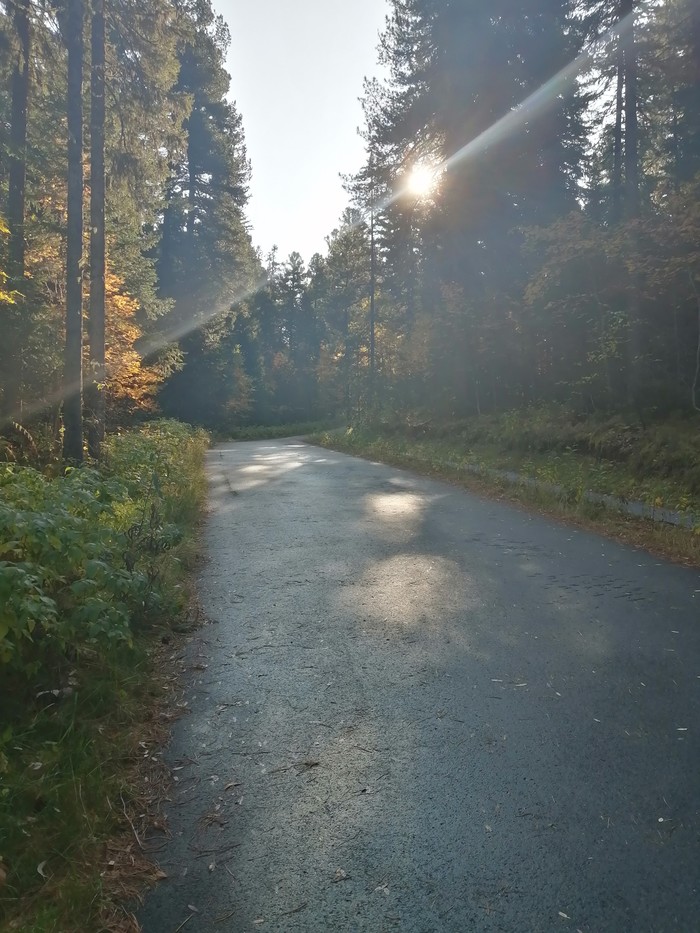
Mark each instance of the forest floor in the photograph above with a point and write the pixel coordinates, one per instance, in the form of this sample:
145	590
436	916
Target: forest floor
654	471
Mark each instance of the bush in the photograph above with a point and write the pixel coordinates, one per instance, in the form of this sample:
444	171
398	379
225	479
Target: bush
83	555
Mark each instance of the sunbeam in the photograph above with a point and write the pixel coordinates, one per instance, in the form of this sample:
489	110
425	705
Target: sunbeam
529	109
419	182
151	345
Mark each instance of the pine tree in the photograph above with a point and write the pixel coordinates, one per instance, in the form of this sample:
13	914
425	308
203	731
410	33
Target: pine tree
11	353
206	263
95	391
73	372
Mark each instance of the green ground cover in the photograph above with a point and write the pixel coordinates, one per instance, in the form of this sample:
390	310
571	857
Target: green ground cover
93	569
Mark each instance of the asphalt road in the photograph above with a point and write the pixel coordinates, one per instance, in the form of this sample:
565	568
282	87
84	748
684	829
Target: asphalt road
418	710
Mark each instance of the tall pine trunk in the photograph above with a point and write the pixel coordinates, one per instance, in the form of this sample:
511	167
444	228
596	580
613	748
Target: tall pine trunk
73	368
192	179
617	136
631	122
13	334
631	159
95	391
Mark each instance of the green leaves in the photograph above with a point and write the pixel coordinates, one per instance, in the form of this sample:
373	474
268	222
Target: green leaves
83	556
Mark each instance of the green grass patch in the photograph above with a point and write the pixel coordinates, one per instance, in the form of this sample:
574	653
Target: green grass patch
656	465
261	432
92	574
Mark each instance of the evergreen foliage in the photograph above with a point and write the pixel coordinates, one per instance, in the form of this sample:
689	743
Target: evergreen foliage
555	259
178	253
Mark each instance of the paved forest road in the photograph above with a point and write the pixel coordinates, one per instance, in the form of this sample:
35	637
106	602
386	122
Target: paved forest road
417	710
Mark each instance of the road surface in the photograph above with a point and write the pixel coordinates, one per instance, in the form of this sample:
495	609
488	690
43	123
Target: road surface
418	710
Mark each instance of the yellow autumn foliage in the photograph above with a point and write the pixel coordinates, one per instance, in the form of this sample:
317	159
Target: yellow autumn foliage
4	294
131	385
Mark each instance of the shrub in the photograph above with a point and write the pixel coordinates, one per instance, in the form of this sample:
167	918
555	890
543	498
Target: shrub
83	555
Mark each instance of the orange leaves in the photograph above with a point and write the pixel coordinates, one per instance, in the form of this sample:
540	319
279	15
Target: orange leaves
130	384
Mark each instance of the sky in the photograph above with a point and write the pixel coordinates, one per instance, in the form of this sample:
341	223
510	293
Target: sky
296	69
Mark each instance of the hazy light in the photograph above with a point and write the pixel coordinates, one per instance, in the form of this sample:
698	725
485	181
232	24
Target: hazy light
421	180
536	103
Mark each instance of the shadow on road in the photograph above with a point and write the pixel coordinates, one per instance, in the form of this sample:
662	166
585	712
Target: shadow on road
425	711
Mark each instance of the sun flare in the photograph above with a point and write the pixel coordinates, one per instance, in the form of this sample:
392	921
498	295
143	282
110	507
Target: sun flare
421	180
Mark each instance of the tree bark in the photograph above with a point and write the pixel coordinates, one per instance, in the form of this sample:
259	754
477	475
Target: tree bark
634	344
13	333
192	177
631	123
617	138
372	311
73	368
96	321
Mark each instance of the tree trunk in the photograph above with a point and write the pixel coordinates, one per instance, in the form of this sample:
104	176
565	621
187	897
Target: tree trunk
96	321
631	123
372	312
73	369
617	138
191	179
13	333
634	337
675	144
168	245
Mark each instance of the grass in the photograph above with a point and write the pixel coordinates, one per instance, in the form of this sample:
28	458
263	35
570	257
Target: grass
444	451
261	432
69	785
80	774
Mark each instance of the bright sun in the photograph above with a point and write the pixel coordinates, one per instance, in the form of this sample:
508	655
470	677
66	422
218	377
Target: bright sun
421	180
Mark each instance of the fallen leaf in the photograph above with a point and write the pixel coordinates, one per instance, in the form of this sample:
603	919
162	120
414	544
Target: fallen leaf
40	869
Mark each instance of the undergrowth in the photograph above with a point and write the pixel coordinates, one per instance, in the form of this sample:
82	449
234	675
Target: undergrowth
91	576
261	432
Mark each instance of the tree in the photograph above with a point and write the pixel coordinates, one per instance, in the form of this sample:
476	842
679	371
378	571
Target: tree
73	372
12	351
95	393
339	291
206	263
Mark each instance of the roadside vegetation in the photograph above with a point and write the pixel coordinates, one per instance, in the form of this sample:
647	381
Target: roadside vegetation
656	464
261	432
92	581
